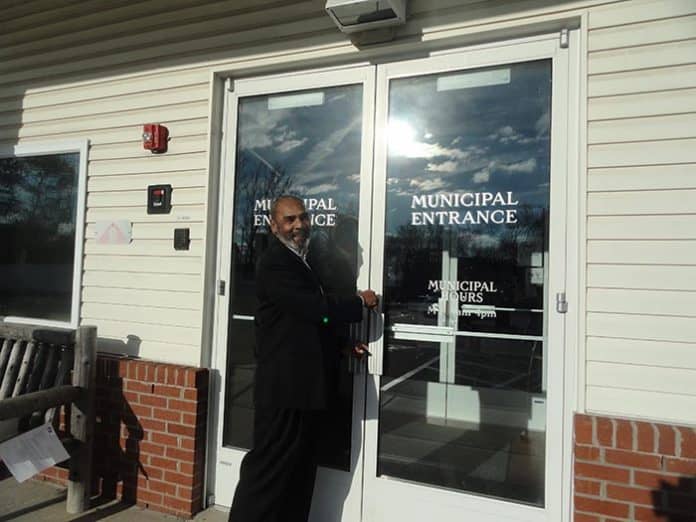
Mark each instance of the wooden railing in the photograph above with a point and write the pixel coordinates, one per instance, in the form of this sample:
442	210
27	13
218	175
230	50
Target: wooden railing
41	369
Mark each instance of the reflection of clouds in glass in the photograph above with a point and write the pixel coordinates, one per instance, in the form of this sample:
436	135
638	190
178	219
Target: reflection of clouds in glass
257	124
283	133
285	139
255	137
475	150
482	176
492	139
417	149
287	146
503	132
403	142
398	192
447	166
508	135
326	147
312	151
313	190
543	124
427	184
526	166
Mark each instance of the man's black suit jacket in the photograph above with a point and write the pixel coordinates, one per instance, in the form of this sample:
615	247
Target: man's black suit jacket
296	321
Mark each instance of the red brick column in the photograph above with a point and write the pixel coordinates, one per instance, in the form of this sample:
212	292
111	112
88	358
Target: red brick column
633	470
150	436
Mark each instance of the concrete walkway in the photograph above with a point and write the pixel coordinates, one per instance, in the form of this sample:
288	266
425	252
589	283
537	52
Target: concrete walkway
35	501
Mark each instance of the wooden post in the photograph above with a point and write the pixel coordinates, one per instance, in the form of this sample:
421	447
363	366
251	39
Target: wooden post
4	356
25	369
82	419
12	370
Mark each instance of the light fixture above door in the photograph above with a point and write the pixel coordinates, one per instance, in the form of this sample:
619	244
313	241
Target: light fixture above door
360	15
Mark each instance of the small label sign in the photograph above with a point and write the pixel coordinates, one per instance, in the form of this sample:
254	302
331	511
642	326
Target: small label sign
114	232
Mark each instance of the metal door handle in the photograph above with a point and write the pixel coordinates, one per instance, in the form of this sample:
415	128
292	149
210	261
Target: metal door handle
358	333
561	303
376	342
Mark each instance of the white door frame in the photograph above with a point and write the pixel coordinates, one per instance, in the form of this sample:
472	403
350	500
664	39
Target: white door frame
389	499
228	459
559	498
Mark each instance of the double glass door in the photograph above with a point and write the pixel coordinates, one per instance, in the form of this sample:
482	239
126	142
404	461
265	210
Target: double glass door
438	183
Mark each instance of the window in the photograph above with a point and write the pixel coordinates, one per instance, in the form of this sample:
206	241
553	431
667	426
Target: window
41	231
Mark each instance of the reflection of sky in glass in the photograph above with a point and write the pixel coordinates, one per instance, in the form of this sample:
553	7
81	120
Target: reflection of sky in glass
482	139
312	151
38	210
305	143
485	134
40	189
493	138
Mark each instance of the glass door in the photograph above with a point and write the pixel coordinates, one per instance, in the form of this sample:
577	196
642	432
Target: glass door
460	225
463	412
309	135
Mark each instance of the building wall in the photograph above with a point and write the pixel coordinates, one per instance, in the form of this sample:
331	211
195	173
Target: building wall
631	470
100	69
641	210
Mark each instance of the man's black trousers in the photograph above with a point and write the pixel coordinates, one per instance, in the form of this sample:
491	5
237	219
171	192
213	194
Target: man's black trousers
277	476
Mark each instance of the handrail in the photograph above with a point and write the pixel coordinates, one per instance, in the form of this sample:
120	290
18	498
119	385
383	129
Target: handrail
28	403
41	334
80	395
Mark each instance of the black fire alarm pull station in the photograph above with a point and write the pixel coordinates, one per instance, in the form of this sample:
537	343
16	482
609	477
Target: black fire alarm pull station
159	199
182	238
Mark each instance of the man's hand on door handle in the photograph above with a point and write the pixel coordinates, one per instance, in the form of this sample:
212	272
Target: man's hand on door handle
369	298
360	350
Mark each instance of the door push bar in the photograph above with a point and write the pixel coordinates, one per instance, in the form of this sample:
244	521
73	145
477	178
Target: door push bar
406	330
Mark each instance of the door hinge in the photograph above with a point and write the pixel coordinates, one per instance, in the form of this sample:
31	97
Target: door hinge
561	303
564	39
221	287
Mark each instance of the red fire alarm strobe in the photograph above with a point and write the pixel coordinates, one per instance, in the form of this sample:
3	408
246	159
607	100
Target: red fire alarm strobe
155	137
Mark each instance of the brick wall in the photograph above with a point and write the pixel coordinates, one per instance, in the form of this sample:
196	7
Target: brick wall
632	470
150	435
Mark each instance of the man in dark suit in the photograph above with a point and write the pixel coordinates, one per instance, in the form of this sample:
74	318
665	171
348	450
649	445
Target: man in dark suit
296	352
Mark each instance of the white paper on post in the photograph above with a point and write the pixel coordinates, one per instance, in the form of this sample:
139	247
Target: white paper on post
32	452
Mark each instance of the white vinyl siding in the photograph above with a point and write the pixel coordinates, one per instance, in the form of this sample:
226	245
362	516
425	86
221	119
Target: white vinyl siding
641	206
101	69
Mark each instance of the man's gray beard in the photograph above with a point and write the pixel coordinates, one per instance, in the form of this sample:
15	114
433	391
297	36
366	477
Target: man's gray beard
302	252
